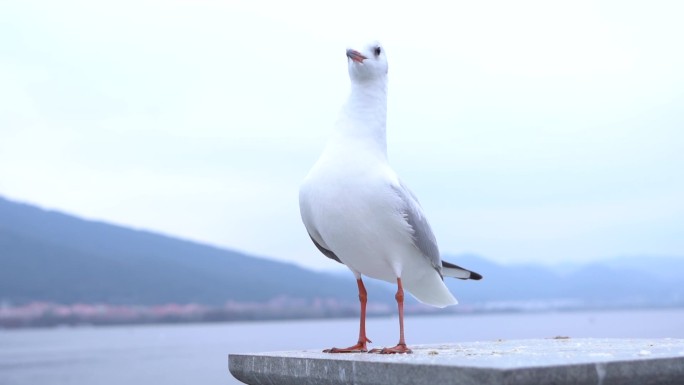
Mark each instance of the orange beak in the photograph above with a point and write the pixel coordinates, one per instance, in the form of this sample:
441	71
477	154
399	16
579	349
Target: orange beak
355	56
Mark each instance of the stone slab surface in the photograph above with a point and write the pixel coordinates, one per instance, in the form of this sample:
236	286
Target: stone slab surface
541	361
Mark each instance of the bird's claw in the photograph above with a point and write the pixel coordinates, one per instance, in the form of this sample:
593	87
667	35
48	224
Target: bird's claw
360	347
399	349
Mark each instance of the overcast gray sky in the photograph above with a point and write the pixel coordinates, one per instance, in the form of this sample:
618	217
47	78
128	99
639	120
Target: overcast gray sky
530	130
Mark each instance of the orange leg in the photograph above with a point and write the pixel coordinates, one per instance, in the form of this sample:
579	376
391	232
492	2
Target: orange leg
360	346
401	346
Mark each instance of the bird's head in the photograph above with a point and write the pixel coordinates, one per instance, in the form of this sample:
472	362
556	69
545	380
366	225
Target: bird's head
367	62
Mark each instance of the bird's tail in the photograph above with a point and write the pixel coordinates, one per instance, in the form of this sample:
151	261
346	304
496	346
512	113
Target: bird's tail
431	291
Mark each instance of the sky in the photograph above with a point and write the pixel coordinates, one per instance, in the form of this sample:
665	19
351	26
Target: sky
531	131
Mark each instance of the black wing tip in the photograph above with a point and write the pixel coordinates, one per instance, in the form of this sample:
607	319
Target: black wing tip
325	251
473	275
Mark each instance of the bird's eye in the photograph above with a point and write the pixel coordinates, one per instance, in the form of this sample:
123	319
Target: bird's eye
377	51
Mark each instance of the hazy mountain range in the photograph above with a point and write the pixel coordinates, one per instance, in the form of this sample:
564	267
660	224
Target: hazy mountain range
51	256
55	257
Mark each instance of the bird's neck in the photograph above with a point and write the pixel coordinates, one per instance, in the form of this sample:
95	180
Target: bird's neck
364	115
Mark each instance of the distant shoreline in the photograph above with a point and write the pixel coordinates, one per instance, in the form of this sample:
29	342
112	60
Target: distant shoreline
46	314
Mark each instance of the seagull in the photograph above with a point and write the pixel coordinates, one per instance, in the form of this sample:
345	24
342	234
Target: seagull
359	213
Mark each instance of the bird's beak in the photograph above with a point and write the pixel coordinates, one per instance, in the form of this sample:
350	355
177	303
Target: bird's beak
355	56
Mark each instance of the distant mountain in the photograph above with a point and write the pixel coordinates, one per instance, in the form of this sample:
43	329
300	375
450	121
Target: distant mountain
51	256
626	281
55	257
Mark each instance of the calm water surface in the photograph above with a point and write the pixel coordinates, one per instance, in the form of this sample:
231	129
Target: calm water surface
197	353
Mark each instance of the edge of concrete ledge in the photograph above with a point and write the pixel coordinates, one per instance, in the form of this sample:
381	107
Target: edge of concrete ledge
547	361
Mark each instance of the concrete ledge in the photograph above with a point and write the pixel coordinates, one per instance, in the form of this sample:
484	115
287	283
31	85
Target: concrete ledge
548	361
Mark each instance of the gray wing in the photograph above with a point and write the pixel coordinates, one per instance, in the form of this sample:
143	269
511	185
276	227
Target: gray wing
423	238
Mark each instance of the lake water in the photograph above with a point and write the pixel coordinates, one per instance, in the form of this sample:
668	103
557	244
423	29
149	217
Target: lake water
197	353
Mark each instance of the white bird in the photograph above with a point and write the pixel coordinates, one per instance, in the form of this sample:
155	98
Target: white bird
358	212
